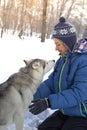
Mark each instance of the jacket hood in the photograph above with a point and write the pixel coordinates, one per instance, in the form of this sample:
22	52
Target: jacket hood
81	46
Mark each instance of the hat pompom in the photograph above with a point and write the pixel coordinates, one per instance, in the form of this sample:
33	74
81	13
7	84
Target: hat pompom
62	20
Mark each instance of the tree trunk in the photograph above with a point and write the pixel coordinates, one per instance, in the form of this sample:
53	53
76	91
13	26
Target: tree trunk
43	32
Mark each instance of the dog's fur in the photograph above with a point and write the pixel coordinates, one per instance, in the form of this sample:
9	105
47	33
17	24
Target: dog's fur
17	92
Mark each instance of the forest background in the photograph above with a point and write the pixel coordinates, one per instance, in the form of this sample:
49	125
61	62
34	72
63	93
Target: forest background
28	17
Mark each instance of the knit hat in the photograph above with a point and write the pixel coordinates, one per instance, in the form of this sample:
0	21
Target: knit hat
65	32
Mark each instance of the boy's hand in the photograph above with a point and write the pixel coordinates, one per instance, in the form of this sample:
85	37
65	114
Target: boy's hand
39	105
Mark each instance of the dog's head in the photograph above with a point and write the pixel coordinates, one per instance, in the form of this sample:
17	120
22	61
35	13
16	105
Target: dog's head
38	65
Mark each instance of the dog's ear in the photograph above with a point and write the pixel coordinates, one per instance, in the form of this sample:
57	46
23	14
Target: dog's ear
36	65
26	62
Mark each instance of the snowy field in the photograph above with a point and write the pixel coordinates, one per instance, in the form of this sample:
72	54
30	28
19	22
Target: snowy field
12	53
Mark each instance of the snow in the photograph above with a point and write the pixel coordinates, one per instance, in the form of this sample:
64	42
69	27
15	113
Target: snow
12	53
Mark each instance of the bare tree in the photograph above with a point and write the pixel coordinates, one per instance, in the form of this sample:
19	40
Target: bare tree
43	32
81	18
39	16
21	21
70	8
3	20
62	7
85	32
50	21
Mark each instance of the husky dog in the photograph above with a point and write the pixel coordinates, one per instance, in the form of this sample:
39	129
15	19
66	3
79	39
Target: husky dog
17	92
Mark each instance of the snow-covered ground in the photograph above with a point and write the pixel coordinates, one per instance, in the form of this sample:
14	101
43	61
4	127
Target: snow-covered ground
12	53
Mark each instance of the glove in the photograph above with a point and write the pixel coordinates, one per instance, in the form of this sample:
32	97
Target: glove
39	105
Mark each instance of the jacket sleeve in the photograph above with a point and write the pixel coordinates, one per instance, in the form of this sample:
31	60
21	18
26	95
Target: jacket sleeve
77	93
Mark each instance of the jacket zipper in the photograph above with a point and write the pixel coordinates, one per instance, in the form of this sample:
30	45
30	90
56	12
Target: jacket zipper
60	78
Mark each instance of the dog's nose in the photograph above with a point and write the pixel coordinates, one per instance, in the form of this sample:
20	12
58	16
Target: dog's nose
53	60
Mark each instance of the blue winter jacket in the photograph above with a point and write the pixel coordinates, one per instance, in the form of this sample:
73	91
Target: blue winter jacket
66	87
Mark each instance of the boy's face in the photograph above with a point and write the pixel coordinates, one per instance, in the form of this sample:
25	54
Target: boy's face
59	46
